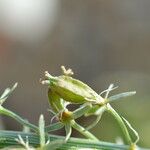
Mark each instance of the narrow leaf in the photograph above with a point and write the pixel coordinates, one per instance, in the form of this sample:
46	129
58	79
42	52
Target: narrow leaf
94	123
92	111
98	114
121	95
54	126
6	93
81	111
132	129
41	130
68	130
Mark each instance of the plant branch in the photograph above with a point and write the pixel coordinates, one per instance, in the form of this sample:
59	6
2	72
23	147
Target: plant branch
22	121
7	138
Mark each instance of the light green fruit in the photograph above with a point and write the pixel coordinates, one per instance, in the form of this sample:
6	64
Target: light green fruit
73	90
56	103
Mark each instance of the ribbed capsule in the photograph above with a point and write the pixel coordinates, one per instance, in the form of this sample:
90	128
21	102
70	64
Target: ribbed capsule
73	90
57	104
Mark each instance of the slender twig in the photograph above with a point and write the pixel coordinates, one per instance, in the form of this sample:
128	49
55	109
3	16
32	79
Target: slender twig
22	121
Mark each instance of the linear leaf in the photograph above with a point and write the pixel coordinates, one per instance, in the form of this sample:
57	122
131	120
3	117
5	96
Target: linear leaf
121	95
132	129
54	127
68	130
6	93
41	130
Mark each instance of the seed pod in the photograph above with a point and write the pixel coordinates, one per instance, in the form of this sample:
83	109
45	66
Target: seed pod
57	104
73	90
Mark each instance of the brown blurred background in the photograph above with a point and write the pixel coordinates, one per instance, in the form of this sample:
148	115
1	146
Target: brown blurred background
103	41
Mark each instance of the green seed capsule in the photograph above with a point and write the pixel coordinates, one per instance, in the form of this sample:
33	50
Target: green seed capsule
73	90
56	103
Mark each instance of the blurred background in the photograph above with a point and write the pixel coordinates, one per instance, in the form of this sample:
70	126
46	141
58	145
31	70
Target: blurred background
102	41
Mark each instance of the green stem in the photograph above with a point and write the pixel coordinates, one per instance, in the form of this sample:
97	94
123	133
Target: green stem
121	123
83	131
7	138
22	121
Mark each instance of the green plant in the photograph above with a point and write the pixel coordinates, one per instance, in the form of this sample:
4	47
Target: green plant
63	91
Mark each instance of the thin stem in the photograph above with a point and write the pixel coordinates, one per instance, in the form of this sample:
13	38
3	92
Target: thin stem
22	121
121	123
83	131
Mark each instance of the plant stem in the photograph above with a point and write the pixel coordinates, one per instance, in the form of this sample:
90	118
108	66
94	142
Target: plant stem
22	121
83	131
7	138
121	123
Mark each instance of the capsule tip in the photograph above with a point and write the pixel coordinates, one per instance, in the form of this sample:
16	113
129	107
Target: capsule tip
67	72
45	82
47	74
